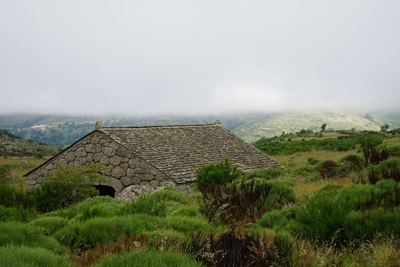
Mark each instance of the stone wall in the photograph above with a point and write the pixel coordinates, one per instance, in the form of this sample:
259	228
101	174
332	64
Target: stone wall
128	174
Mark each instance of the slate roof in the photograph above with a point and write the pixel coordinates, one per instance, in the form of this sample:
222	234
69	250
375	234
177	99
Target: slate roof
179	150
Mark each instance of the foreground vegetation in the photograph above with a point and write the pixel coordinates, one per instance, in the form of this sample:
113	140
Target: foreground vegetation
325	207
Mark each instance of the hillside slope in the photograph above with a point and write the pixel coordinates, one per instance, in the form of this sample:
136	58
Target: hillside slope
274	124
63	130
12	145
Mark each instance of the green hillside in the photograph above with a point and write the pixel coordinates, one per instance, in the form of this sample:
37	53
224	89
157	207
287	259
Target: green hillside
12	145
63	130
274	124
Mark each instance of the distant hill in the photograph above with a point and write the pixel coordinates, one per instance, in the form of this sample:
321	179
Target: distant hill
12	145
63	130
274	124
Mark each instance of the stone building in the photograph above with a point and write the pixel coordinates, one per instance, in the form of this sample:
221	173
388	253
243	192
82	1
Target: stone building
145	159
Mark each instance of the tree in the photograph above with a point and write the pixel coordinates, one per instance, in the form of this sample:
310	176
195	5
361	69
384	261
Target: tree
372	150
323	127
384	127
66	186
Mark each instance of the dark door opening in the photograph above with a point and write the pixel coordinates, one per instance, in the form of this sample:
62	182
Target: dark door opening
105	190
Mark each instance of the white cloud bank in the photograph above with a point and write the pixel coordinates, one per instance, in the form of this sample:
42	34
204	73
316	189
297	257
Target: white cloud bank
190	57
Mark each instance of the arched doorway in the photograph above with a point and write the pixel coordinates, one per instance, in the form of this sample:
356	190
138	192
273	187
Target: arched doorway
105	190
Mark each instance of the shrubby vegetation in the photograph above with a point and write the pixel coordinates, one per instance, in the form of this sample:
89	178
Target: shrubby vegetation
291	144
349	217
66	186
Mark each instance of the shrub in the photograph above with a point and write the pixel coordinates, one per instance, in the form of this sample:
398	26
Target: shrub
124	244
156	203
280	194
388	169
277	219
267	174
351	163
66	186
188	225
243	200
321	217
236	248
13	233
10	195
189	211
148	258
83	236
371	148
216	173
19	213
27	256
312	161
394	150
49	224
103	206
328	169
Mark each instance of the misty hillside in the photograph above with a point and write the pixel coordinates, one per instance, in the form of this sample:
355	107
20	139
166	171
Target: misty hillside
64	130
12	145
274	124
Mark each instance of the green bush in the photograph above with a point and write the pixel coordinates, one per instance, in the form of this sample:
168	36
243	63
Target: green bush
320	217
355	213
267	174
156	203
103	206
166	239
66	186
351	163
83	236
216	173
10	194
328	169
107	209
149	258
50	224
394	150
312	161
275	146
372	149
277	219
30	257
365	226
235	202
18	234
188	211
387	169
19	213
188	225
281	194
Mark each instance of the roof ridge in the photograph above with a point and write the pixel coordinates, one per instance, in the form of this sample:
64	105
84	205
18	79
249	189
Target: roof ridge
159	126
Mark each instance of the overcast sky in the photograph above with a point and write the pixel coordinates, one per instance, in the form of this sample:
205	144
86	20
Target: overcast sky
198	57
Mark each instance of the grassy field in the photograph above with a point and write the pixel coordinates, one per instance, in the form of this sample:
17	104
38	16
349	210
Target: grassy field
17	170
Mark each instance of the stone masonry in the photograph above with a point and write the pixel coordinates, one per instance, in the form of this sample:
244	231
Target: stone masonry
128	174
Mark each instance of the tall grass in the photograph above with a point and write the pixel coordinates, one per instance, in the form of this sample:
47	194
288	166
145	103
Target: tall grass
30	257
149	258
49	224
157	204
16	233
81	236
99	206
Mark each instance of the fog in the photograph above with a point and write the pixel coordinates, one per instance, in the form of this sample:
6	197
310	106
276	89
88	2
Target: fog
198	57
